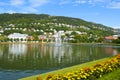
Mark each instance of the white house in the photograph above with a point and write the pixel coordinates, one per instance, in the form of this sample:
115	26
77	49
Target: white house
69	32
17	36
1	31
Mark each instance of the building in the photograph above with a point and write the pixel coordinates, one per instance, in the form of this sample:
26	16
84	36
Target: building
110	38
18	36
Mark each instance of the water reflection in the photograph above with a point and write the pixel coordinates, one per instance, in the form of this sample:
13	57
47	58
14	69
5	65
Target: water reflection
17	49
42	56
50	56
110	50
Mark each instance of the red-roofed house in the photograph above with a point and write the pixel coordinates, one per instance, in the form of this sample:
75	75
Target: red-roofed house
110	38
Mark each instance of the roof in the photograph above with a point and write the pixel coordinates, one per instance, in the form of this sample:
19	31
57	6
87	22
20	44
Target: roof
109	37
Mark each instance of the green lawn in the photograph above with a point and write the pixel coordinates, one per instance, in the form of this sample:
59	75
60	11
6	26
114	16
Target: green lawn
115	75
65	70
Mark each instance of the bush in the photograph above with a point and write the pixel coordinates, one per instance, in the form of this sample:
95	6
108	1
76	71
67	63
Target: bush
117	41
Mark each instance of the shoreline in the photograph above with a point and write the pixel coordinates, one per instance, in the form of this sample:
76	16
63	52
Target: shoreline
54	43
25	43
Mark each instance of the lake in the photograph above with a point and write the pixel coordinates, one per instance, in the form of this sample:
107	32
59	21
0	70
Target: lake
22	60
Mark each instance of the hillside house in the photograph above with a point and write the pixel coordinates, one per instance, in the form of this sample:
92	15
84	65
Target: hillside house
111	38
1	30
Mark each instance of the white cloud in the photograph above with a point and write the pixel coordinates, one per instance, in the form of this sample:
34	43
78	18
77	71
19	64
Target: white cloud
11	11
26	6
114	5
100	0
23	10
80	1
33	5
62	2
29	10
37	3
91	2
17	2
95	2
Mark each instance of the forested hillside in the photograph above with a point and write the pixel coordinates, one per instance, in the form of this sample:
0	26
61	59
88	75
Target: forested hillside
56	22
39	24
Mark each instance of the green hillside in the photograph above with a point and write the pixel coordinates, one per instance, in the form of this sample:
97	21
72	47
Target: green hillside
38	24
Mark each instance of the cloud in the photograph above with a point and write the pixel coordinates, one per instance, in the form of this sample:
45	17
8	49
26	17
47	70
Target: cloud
33	6
29	10
62	2
114	5
33	3
99	0
37	3
23	10
96	2
25	6
90	2
11	11
80	1
17	2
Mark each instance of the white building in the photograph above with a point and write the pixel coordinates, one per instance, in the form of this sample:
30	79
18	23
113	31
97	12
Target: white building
116	36
17	36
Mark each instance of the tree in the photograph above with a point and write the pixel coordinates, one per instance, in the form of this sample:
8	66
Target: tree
2	38
62	37
100	39
35	37
77	38
117	41
21	39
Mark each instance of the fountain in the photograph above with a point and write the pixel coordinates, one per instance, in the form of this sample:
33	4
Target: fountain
57	37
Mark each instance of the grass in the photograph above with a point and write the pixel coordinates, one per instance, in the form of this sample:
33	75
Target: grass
65	70
115	75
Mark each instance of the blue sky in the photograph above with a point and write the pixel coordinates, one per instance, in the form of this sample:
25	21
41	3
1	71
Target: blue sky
106	12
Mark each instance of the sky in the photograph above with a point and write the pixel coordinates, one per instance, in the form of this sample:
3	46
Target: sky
106	12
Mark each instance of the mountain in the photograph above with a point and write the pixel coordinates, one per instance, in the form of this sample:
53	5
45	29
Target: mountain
39	23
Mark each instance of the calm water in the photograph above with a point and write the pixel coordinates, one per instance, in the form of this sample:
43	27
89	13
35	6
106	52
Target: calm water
22	60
